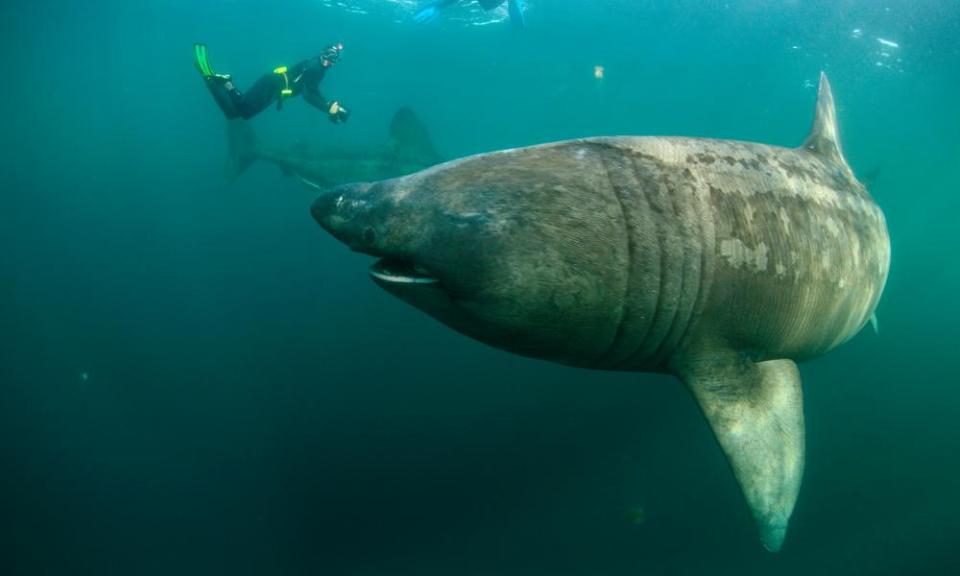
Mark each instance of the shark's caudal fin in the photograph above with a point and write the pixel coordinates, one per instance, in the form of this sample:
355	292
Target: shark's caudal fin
242	148
756	412
824	138
409	137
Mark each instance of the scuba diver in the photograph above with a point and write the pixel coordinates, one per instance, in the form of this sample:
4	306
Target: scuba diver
432	10
302	78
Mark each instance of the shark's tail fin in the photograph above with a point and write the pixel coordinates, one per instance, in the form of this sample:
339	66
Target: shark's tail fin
242	148
409	137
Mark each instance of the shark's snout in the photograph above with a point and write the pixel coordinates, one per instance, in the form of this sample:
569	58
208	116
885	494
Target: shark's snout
359	217
341	210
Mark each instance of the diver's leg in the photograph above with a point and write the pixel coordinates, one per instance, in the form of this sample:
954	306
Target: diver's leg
259	96
432	10
223	93
515	8
220	85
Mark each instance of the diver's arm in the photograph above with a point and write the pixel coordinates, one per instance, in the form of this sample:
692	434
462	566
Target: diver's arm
334	111
316	99
312	76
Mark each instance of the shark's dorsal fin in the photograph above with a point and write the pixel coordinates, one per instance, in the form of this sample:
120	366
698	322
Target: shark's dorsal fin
409	137
824	138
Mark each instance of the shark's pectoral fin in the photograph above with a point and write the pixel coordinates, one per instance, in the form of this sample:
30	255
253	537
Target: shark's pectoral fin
756	412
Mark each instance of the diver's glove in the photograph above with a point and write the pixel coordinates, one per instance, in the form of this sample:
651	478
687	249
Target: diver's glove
428	13
337	113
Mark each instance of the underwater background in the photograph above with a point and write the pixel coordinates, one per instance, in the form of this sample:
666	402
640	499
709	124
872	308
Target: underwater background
196	379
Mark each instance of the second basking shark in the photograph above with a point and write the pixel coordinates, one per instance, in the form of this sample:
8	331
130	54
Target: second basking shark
408	149
720	262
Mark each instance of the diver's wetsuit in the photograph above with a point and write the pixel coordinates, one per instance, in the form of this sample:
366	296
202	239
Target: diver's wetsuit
304	78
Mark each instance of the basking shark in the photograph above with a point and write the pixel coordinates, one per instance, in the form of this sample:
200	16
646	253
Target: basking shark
720	262
408	149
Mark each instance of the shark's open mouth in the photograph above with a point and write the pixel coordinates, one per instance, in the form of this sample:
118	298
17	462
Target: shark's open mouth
397	271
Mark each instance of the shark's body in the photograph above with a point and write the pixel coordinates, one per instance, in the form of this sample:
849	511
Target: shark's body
407	150
721	262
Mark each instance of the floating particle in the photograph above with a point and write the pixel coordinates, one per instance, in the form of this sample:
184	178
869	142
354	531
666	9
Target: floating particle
598	72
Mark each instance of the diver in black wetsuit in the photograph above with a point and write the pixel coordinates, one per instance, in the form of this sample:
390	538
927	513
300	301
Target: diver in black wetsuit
302	78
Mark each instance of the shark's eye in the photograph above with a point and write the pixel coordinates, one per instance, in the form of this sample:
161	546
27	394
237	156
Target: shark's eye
369	236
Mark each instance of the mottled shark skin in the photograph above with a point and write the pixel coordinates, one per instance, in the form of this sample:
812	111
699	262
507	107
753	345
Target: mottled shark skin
720	262
408	149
